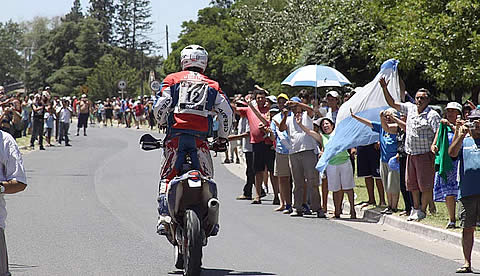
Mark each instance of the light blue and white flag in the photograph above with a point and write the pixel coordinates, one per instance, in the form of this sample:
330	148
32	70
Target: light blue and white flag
367	102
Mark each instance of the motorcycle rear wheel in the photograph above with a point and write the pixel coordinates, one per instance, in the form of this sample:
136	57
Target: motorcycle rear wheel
192	252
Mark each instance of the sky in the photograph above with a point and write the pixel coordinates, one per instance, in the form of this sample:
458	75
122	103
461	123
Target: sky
171	12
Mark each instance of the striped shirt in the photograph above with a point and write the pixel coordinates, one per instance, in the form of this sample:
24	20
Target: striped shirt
421	128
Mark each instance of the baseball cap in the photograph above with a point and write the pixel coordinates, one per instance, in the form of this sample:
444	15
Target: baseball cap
474	114
296	99
333	93
84	95
274	108
272	98
283	95
454	105
317	122
2	89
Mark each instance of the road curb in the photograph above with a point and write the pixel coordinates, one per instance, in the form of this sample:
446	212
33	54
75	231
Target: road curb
429	232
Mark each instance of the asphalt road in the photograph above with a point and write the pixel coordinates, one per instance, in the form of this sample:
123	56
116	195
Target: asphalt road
91	210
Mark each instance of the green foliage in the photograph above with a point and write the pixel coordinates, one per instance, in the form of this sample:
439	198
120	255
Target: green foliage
254	41
103	11
36	32
39	70
75	14
88	43
103	81
68	79
11	63
345	37
216	30
133	23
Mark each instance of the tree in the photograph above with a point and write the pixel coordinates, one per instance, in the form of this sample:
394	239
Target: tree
88	43
443	51
75	13
39	70
11	62
225	4
133	23
68	79
104	12
345	38
105	76
215	30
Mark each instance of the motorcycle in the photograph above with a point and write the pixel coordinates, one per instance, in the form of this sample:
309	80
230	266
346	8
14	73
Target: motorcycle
193	206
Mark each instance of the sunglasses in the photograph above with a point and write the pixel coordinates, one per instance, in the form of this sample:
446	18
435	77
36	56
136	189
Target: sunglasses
421	98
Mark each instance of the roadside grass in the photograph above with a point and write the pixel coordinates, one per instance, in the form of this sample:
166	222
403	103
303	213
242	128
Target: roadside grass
24	143
439	220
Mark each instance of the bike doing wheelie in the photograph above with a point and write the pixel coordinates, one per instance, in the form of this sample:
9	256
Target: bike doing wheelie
193	209
187	201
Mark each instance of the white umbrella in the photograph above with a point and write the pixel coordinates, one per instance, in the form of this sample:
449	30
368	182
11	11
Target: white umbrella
316	76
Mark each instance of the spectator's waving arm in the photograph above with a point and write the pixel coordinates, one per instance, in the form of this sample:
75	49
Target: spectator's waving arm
305	107
258	114
401	124
310	132
434	147
238	136
361	120
390	128
460	132
283	123
390	101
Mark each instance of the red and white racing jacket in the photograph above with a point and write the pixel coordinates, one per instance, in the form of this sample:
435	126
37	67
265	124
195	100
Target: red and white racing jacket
186	104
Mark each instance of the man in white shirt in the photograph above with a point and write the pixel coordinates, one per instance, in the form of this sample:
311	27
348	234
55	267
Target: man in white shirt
302	157
65	116
12	180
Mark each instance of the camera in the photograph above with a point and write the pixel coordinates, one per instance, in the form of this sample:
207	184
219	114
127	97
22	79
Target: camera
470	125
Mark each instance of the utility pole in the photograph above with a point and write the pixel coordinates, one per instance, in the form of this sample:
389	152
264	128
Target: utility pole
167	42
25	71
142	71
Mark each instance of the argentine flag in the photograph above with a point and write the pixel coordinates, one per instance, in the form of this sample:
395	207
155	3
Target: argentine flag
367	102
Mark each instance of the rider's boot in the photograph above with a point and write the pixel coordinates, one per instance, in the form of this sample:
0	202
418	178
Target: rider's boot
164	219
163	225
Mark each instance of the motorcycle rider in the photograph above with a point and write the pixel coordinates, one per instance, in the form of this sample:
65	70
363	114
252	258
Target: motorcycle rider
185	104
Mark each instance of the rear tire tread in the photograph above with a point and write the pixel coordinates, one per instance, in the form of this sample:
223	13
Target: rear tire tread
193	254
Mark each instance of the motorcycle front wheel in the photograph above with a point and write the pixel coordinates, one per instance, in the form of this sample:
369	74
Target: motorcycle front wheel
192	252
178	257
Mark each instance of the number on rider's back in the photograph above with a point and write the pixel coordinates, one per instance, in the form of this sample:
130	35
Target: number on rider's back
192	96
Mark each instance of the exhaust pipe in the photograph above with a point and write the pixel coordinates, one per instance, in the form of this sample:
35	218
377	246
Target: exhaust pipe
213	210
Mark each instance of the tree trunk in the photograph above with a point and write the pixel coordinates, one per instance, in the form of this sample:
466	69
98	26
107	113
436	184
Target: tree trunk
475	92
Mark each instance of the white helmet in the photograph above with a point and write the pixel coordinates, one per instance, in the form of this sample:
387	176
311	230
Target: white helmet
194	56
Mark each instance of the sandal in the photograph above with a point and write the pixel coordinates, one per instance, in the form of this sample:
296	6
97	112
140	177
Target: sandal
464	269
451	225
279	208
258	201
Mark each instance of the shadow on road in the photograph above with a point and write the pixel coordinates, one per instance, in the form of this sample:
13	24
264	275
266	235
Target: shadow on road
223	272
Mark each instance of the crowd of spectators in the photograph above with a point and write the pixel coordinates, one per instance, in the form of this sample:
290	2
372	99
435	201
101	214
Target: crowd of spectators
282	139
47	118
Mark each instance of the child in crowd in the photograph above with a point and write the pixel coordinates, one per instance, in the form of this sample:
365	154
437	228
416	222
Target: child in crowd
49	121
339	170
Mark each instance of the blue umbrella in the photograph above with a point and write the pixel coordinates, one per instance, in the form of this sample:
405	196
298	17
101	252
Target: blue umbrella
316	76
